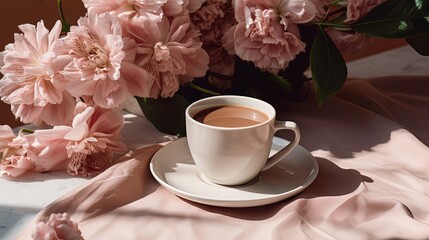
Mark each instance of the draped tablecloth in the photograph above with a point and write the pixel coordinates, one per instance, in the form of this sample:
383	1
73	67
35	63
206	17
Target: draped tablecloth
370	141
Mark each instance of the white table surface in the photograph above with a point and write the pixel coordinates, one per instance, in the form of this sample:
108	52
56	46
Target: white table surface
21	200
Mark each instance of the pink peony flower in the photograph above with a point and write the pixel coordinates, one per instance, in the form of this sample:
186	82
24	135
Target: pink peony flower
356	9
351	41
271	51
285	11
98	62
169	51
29	83
135	9
127	8
87	147
267	33
208	13
17	154
213	19
58	226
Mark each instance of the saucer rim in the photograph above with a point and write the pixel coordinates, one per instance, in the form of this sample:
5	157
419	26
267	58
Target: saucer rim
221	202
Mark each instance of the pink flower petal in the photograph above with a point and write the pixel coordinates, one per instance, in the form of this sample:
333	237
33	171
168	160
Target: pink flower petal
110	122
27	113
137	79
28	83
98	51
57	114
58	226
111	93
6	136
15	166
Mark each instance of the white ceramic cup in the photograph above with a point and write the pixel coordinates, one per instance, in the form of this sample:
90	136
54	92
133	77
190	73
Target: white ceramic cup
235	155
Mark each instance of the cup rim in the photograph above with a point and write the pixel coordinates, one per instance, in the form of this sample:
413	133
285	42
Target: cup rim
270	116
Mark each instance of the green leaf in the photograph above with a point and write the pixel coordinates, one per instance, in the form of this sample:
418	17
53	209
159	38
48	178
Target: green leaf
420	43
281	81
166	114
327	66
395	19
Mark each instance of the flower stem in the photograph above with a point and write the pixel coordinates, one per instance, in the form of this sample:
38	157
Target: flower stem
26	130
66	26
201	89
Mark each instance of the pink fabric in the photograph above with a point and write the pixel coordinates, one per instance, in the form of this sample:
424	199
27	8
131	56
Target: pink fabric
371	143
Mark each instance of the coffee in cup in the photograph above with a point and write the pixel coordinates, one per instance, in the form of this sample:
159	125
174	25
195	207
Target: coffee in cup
230	137
230	116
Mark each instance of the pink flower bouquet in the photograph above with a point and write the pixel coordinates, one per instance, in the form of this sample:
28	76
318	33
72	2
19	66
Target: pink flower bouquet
168	53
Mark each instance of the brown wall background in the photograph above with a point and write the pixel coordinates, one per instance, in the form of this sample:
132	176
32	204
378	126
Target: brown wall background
13	13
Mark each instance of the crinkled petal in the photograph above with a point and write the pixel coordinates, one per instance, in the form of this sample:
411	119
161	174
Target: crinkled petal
197	64
111	93
16	165
137	79
6	136
59	114
27	113
110	122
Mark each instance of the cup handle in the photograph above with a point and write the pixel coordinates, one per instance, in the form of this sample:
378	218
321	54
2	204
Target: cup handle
280	125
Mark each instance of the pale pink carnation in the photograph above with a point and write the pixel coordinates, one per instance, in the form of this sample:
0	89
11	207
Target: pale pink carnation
271	50
267	33
29	83
87	147
213	19
170	52
57	227
210	12
285	11
356	9
136	9
351	41
17	154
98	62
127	8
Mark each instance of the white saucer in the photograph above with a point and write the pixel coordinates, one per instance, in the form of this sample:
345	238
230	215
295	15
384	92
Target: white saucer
173	167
